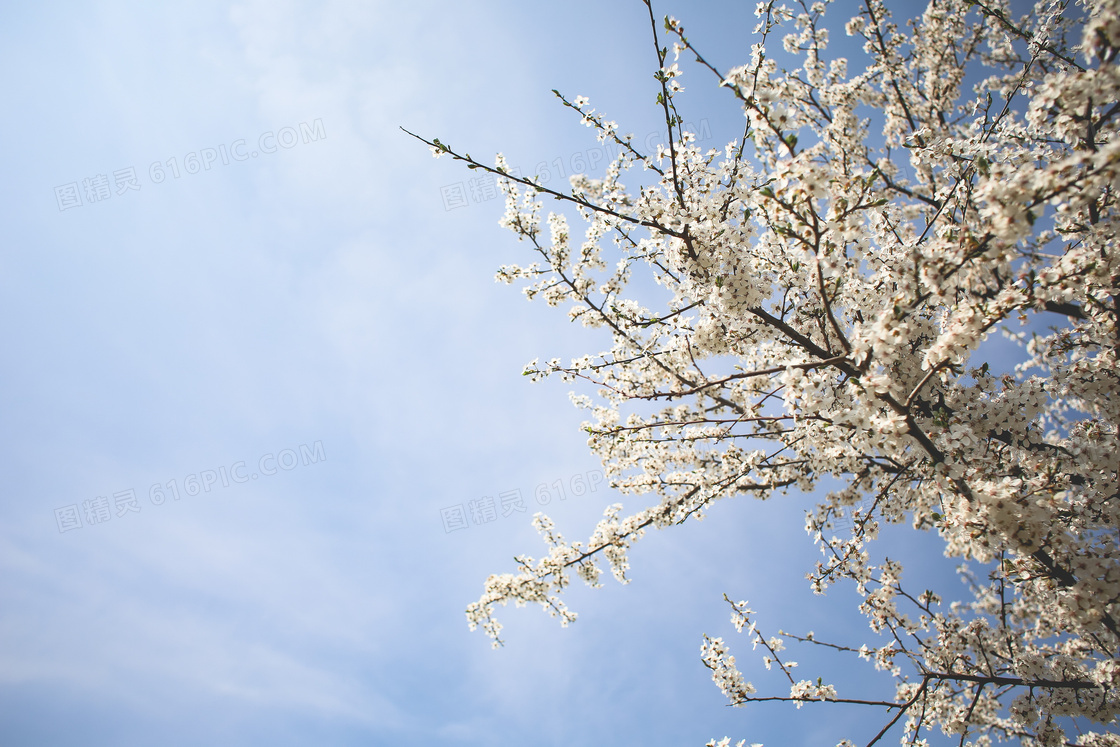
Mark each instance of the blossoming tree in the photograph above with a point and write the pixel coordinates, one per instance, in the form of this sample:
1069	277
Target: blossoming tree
832	277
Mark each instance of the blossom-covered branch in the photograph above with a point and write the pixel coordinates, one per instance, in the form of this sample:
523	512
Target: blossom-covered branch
832	280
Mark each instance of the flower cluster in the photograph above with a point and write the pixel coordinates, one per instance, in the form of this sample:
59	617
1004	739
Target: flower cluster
825	288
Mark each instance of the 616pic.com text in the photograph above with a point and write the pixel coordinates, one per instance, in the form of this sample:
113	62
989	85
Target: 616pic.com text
99	187
101	509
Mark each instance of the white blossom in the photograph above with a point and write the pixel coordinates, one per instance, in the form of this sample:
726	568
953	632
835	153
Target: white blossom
826	290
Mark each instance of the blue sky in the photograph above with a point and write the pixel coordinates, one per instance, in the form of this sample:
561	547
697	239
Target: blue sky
319	312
